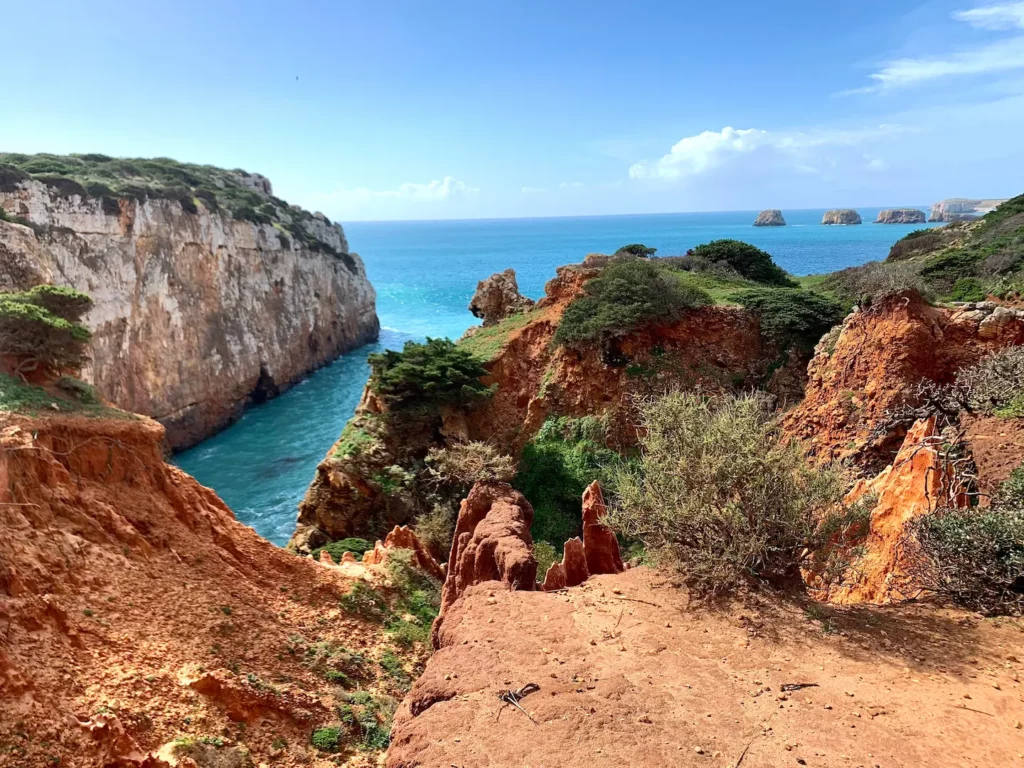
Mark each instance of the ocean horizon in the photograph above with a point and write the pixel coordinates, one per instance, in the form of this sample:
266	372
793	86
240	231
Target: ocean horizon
425	272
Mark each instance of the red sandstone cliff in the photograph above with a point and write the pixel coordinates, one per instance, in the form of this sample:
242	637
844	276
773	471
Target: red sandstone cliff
141	623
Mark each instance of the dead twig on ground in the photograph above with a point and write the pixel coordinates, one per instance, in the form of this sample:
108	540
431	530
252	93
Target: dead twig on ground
513	697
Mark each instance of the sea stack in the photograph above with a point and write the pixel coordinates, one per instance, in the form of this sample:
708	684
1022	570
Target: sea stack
841	216
900	216
770	218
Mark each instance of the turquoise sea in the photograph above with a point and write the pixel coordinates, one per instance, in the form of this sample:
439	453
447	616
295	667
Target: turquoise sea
425	273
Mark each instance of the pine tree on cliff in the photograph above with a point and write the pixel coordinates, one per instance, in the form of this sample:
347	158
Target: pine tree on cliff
40	329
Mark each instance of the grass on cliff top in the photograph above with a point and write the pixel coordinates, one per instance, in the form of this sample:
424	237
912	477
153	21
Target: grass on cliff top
487	343
194	186
67	396
955	262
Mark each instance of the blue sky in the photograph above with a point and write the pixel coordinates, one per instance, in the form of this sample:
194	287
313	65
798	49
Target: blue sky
388	110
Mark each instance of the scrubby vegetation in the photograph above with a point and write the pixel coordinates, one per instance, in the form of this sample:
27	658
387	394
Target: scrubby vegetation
746	260
627	295
792	316
555	467
409	606
109	179
337	549
41	328
486	343
957	262
427	375
975	556
718	495
995	385
636	249
462	464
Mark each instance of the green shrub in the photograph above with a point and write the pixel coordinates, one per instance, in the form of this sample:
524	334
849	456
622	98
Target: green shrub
364	601
718	494
418	599
427	375
545	555
967	289
792	316
975	557
337	549
749	261
326	739
392	666
1012	492
40	328
79	390
636	249
627	295
555	467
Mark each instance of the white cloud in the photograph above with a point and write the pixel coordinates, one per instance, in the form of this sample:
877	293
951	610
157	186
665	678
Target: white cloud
570	185
1006	16
695	155
1000	56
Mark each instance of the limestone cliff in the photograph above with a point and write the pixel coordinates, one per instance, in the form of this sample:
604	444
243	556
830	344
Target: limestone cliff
197	311
962	208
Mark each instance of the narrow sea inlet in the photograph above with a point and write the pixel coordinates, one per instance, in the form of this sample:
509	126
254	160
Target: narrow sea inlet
425	273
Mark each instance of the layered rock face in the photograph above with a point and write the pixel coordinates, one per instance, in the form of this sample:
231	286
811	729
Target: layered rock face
139	617
841	216
196	314
770	218
498	297
871	365
962	208
917	482
900	216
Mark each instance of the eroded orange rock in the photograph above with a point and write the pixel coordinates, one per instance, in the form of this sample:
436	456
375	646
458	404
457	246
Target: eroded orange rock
916	483
403	537
599	542
492	542
873	364
597	553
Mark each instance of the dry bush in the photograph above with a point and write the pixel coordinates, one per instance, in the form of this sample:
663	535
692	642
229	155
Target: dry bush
718	494
464	464
436	528
996	384
876	279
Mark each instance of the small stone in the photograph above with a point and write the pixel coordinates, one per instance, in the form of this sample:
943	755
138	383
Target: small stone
699	750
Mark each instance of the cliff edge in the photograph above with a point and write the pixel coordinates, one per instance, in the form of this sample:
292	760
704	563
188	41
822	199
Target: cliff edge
210	293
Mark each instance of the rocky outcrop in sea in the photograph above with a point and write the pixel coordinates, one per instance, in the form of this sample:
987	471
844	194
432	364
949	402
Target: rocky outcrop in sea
770	218
841	216
900	216
197	313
